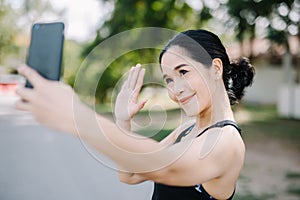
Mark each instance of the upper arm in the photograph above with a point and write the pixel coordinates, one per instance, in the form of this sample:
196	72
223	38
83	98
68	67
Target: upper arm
205	158
135	178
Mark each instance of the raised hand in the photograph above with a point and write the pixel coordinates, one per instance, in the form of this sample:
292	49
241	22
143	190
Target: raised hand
127	103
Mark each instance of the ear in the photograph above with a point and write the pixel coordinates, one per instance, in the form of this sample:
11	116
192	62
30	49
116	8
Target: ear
217	68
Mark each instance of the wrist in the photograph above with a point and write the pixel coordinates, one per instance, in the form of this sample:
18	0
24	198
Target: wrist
124	124
122	120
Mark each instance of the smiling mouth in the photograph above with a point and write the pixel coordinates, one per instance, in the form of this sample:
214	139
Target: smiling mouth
185	100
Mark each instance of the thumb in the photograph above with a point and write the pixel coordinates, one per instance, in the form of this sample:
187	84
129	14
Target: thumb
142	104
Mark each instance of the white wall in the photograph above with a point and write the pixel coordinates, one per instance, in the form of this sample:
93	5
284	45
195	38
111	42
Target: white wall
267	83
272	85
288	101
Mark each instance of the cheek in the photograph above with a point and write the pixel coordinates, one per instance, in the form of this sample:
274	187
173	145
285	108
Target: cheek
204	97
203	93
172	96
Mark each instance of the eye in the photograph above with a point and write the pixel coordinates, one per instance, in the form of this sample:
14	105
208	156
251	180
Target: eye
183	72
168	80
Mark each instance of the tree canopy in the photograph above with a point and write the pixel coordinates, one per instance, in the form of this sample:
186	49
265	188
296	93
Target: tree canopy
130	14
7	30
280	19
277	19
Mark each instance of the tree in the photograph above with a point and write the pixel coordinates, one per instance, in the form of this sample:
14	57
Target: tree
34	10
285	22
7	30
281	15
130	14
15	22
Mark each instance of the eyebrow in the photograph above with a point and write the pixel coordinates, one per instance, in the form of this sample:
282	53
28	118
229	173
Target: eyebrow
176	68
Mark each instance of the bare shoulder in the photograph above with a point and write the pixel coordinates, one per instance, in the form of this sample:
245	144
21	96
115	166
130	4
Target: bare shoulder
224	144
232	139
232	145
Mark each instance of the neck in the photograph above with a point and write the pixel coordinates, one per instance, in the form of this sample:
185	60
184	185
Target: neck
218	110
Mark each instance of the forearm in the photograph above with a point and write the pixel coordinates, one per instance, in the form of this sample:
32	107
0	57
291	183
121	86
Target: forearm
126	177
130	151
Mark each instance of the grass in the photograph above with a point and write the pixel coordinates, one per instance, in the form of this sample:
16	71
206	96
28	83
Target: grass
294	191
258	112
292	175
264	122
158	136
285	129
293	188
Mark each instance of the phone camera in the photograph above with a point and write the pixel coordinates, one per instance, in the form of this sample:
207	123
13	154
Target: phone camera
36	26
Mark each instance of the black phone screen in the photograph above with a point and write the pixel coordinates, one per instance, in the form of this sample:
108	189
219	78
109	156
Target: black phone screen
46	49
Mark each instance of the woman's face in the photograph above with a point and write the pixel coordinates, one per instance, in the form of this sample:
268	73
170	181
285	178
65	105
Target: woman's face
187	80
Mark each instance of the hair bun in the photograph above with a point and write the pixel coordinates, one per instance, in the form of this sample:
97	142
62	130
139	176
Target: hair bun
245	71
239	75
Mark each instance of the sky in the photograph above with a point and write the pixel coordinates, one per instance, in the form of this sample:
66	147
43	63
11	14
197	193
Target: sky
81	17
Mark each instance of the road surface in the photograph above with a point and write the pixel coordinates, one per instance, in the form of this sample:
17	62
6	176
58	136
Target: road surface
38	163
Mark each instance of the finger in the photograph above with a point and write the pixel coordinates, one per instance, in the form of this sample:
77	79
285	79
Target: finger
140	80
139	106
134	77
31	75
26	94
139	85
142	104
125	85
23	105
129	77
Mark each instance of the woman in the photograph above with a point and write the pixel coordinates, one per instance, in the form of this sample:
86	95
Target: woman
198	160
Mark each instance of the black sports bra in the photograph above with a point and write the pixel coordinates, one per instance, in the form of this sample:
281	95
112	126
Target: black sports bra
218	124
197	192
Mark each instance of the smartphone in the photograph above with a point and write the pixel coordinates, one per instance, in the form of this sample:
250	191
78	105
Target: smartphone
46	50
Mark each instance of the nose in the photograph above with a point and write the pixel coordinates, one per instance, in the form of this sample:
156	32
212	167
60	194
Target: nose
178	87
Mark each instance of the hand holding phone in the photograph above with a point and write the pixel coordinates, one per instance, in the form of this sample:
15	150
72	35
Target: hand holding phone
46	50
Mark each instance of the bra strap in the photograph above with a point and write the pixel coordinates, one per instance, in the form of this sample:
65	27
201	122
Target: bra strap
222	124
184	133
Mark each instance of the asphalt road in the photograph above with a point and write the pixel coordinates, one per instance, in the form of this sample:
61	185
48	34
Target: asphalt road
37	163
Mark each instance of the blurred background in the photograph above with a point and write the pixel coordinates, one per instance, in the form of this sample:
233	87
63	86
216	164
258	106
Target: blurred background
37	163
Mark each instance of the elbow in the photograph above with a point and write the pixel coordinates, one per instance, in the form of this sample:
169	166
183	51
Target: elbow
165	176
124	178
129	179
131	183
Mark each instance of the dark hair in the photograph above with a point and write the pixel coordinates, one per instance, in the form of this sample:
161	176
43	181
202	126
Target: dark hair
203	46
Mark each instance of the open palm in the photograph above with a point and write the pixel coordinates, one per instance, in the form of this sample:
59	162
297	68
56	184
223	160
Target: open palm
127	103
